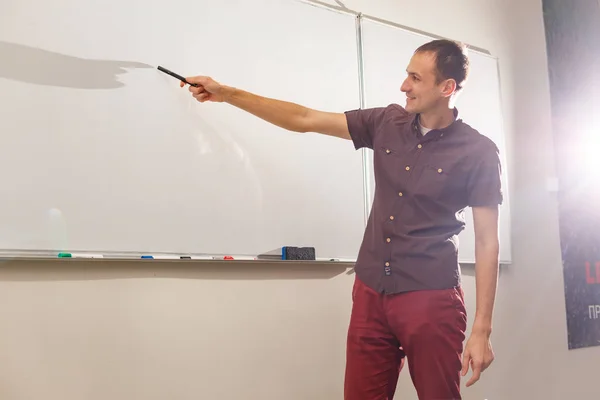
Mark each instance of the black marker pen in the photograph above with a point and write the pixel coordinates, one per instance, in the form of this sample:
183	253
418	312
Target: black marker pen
173	74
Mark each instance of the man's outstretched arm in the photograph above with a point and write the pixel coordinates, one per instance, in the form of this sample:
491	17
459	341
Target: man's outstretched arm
287	115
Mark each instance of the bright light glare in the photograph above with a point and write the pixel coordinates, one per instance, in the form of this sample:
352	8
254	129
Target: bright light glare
590	153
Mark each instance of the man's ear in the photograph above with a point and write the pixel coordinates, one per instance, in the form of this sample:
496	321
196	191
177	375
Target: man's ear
448	87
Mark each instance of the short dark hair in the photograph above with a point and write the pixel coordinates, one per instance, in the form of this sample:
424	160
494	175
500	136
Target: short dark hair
452	61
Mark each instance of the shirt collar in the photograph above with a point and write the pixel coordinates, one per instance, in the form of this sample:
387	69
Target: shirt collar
457	120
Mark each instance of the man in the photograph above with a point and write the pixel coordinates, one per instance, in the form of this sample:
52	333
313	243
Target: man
429	166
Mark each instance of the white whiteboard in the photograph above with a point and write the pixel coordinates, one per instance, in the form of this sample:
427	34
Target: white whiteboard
101	152
387	50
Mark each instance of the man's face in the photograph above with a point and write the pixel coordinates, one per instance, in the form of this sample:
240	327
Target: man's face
423	93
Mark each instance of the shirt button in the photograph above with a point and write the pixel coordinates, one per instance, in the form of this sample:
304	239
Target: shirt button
400	194
420	146
388	240
387	264
391	217
387	151
440	171
407	168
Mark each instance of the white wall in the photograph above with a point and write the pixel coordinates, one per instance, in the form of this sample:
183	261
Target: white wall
98	330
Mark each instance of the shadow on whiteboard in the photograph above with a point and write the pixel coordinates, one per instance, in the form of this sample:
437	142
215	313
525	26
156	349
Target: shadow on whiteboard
42	67
44	271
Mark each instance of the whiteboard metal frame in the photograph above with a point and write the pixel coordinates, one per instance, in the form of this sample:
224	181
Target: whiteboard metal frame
366	159
6	255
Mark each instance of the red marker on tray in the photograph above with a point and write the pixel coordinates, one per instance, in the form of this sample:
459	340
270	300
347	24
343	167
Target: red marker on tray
234	258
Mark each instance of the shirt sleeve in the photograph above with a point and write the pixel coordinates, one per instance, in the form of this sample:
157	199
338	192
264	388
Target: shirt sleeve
363	124
484	185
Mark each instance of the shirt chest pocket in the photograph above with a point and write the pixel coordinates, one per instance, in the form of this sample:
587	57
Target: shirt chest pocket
390	163
391	152
438	181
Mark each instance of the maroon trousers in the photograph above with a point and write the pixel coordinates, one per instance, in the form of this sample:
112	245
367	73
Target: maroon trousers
428	327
